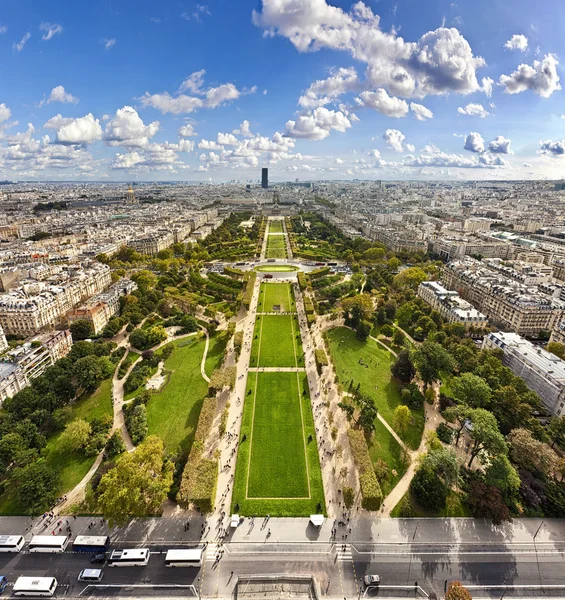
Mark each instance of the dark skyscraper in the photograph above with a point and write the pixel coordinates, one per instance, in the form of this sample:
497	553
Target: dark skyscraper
265	178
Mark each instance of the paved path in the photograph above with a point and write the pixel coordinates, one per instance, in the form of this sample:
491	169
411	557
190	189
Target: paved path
204	355
276	369
384	346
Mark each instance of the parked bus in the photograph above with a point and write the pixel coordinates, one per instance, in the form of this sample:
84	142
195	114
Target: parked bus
11	543
188	557
35	586
48	543
91	543
135	557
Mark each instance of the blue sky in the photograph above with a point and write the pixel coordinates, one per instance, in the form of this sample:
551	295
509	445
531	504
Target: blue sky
179	90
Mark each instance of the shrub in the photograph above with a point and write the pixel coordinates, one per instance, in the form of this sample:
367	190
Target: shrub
198	483
238	343
222	378
381	470
444	433
249	278
370	488
115	444
429	489
445	402
387	331
405	509
302	280
321	359
135	416
348	497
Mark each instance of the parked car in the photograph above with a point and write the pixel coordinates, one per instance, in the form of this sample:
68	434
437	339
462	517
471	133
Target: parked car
371	580
98	558
3	583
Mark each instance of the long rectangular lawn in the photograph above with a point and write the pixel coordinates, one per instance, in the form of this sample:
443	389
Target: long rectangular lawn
277	454
276	294
276	342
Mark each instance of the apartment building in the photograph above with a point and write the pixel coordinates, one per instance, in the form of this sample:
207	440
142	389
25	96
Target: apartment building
36	305
505	301
543	372
102	307
153	243
451	306
399	239
30	360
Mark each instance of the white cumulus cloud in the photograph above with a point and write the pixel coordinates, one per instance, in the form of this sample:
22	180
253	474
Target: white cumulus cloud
83	130
380	101
474	142
324	91
500	145
552	148
317	124
59	94
394	139
474	110
127	129
421	112
517	42
541	77
5	113
187	131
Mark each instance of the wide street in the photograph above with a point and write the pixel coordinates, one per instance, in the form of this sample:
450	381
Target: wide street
503	561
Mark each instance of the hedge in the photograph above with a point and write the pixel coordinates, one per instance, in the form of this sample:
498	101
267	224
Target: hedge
238	342
249	279
200	475
370	488
316	273
308	306
321	359
302	280
233	272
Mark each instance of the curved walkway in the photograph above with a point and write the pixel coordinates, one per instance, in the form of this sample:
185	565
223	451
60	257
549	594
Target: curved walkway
78	492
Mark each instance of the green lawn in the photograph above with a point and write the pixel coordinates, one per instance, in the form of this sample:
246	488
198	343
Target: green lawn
130	358
277	455
276	294
276	268
276	246
172	413
71	466
276	342
383	446
276	227
373	375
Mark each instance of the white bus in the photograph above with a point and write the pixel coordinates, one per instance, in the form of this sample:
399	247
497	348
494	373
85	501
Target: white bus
11	543
91	543
48	543
35	586
135	557
188	557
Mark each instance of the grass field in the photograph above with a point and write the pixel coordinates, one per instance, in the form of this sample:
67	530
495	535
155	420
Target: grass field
276	268
368	364
276	227
384	447
455	507
277	342
276	246
276	294
278	470
172	413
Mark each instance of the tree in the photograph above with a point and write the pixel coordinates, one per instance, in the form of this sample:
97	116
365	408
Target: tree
456	591
36	486
89	372
363	330
431	359
76	435
403	369
81	329
503	476
531	454
486	502
390	310
115	444
358	308
367	414
556	430
410	278
557	349
443	462
471	390
428	489
401	419
138	485
485	434
398	338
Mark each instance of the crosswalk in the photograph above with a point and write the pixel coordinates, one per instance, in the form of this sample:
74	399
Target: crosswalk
211	551
344	555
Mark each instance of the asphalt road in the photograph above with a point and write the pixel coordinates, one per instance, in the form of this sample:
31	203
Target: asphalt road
337	569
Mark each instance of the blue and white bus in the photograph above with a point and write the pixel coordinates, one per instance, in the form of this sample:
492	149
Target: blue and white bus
91	543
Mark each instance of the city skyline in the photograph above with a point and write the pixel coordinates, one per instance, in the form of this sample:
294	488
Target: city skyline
311	90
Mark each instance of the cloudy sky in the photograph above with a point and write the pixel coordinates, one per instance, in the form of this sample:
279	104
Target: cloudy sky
314	89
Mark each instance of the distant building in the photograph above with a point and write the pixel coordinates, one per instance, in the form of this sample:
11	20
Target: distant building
264	178
543	372
451	306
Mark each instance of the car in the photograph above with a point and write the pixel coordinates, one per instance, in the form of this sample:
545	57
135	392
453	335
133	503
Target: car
90	575
98	558
371	580
3	583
